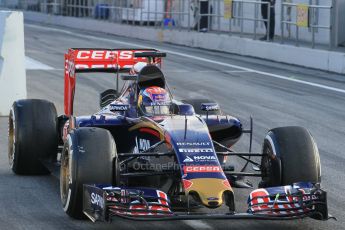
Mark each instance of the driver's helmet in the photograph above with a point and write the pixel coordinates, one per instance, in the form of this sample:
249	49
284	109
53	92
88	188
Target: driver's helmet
154	100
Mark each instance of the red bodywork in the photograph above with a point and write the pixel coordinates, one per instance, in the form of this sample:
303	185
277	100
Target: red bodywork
97	60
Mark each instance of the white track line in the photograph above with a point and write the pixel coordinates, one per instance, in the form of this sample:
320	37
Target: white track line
206	71
197	224
198	58
32	64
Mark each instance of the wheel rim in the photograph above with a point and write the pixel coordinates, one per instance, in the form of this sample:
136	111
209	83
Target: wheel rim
11	140
266	164
64	176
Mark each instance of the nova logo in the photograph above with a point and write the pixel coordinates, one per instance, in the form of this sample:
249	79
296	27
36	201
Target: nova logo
97	200
199	159
188	159
204	158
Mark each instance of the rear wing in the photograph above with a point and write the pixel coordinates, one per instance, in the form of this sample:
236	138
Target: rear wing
100	60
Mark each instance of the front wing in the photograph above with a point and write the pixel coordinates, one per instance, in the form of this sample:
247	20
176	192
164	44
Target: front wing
102	202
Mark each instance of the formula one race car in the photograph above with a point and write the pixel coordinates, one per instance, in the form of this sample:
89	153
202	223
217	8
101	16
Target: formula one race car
147	156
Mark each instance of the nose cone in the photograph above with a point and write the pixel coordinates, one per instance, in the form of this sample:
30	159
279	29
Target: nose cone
209	190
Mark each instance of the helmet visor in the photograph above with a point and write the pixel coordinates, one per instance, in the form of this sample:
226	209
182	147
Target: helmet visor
157	110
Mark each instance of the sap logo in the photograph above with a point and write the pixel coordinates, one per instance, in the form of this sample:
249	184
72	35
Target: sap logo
193	143
209	107
196	150
141	145
188	159
97	200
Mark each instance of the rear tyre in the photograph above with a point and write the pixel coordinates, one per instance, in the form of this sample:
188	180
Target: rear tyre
196	103
87	158
290	156
32	135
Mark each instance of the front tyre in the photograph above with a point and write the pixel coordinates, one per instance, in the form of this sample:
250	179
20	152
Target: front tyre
87	158
290	155
32	135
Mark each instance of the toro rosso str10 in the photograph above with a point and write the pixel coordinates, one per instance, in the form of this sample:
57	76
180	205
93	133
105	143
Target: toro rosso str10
148	156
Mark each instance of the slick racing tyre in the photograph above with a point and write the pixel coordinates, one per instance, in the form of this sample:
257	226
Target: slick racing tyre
196	103
290	155
32	135
87	158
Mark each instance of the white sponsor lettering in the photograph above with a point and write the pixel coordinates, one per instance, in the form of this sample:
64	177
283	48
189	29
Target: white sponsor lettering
204	158
98	66
110	55
144	144
119	107
126	54
196	150
83	54
201	169
97	54
81	66
211	107
141	145
105	54
199	159
97	200
193	143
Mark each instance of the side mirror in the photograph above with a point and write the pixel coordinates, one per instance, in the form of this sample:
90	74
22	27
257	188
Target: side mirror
186	109
107	97
209	107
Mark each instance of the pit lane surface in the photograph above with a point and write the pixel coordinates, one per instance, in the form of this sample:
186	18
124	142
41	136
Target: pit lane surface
275	94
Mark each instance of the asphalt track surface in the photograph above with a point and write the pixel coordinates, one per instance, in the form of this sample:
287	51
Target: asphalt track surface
274	94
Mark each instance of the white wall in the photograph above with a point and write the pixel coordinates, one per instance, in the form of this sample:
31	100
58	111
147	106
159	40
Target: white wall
12	60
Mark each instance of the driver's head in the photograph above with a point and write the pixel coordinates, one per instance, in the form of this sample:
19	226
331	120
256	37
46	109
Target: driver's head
154	101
